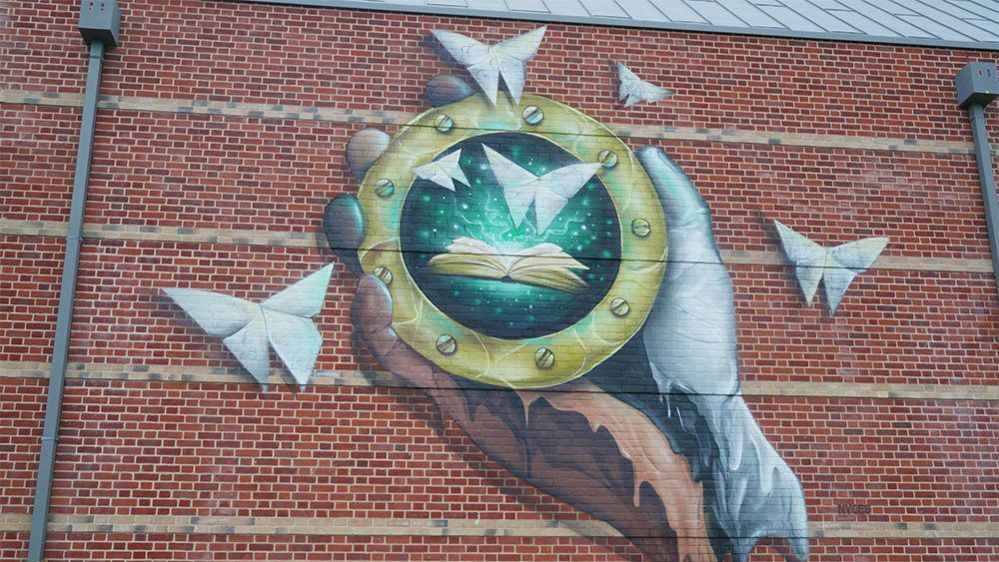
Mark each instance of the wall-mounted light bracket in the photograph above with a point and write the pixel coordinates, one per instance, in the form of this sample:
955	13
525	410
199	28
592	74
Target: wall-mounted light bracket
100	20
977	84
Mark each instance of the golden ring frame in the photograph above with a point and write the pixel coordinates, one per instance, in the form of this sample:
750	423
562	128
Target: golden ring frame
516	363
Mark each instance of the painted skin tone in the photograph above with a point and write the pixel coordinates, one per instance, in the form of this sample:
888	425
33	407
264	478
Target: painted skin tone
612	452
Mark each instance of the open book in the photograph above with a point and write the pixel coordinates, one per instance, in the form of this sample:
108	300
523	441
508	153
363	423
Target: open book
544	265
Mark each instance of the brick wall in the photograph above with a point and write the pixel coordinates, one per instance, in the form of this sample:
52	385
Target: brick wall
160	425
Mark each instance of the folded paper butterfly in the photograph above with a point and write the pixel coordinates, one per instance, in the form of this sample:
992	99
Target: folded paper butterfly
835	267
282	322
487	63
444	171
549	193
634	90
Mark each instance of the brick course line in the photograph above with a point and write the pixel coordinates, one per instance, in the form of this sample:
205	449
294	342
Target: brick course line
346	526
317	240
221	375
376	117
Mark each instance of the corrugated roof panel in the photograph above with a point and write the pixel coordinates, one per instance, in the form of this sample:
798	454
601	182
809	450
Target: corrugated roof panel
642	10
753	16
984	24
864	24
961	26
936	28
955	9
884	14
946	23
715	13
605	8
678	11
793	19
824	18
527	5
991	13
566	7
891	7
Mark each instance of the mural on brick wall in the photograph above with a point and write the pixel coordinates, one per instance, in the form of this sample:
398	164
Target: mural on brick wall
561	298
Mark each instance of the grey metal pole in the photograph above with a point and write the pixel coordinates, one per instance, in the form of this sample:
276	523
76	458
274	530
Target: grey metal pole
977	84
67	295
987	178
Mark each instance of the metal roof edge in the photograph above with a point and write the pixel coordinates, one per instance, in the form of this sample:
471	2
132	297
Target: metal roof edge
615	22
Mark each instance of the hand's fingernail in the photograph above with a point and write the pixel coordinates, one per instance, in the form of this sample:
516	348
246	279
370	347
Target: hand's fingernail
655	157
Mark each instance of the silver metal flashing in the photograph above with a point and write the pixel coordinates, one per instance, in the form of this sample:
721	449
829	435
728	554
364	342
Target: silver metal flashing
965	24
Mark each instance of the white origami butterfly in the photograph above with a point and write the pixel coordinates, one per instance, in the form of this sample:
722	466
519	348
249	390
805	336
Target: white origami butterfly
550	193
487	63
443	172
836	267
634	90
283	322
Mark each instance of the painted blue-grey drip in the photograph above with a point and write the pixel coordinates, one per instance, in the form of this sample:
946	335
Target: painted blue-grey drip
67	296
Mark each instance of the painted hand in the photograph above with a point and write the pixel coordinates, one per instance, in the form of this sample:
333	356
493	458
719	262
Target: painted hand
668	454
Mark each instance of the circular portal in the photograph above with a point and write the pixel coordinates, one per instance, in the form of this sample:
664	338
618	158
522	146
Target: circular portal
587	229
508	241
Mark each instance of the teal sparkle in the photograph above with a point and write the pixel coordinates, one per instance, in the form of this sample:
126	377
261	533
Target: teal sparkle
587	228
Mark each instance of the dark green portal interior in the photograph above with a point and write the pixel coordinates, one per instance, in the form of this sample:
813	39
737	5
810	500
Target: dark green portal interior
587	229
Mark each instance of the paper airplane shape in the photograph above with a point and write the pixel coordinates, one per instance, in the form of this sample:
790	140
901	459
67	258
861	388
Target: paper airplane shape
487	63
282	322
550	193
443	172
634	90
835	267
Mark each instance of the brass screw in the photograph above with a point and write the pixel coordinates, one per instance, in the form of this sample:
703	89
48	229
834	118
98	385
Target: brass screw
608	159
443	124
446	345
384	188
620	307
533	115
641	228
383	273
544	358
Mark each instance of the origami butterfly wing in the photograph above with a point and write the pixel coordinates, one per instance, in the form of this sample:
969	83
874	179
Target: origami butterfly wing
239	322
295	340
634	90
443	172
475	56
290	330
808	258
557	188
486	64
283	322
519	185
249	347
217	314
845	263
512	56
